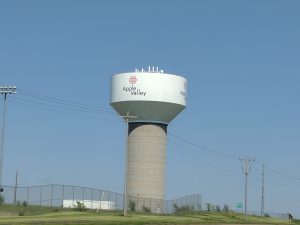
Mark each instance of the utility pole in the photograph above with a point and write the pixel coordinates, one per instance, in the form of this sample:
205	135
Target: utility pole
16	186
4	90
263	191
246	170
127	117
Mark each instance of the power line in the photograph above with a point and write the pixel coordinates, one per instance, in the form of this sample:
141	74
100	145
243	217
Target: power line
217	154
182	150
48	103
196	150
60	106
64	101
286	184
275	172
58	111
227	155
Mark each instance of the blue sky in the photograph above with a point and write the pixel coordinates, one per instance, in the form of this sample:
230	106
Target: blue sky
241	60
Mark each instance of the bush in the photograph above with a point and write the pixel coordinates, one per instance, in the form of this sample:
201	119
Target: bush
24	203
185	208
226	208
146	209
79	206
208	206
131	205
21	214
218	209
1	200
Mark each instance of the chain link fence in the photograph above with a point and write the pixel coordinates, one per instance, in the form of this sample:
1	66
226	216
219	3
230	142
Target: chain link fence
283	216
55	195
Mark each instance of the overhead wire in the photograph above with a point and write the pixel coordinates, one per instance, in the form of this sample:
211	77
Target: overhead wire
58	111
58	106
225	155
62	101
45	102
182	150
196	150
277	173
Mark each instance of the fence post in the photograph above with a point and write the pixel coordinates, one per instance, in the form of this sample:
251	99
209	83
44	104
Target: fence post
100	199
28	195
51	195
83	194
41	192
73	194
108	202
63	196
116	202
92	198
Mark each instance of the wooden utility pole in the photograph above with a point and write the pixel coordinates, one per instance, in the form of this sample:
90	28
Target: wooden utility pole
262	212
246	170
16	187
127	117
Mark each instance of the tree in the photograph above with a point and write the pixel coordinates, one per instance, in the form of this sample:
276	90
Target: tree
80	206
208	206
226	208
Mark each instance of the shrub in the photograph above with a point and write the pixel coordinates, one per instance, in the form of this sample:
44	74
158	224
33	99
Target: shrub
208	206
79	206
21	214
131	205
24	203
218	209
185	208
212	208
1	200
226	208
146	209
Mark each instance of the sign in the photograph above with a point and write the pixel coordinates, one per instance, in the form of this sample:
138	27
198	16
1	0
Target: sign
239	205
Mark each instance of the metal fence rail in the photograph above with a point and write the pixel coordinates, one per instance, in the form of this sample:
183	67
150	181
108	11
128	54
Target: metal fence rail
56	195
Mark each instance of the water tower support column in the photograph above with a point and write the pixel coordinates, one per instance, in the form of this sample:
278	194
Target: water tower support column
146	164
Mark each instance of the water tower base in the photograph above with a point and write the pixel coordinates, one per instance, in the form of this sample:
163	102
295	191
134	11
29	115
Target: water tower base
146	165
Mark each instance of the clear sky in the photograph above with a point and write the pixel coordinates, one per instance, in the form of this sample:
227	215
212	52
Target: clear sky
241	60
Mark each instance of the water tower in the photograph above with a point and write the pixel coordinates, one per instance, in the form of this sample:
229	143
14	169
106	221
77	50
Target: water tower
155	98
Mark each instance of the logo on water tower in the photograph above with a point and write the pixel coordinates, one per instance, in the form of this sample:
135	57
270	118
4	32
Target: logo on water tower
132	79
133	90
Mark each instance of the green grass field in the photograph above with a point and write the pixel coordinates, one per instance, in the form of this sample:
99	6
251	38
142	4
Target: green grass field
20	215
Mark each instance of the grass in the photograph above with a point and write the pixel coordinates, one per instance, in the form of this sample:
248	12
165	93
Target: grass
296	221
56	216
19	210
